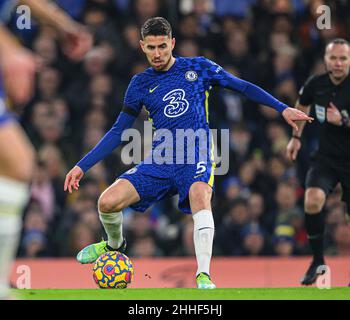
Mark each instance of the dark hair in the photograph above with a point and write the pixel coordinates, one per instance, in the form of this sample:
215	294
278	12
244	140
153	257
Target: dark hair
339	41
156	26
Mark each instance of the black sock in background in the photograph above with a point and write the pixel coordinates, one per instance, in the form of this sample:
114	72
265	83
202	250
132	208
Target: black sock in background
315	227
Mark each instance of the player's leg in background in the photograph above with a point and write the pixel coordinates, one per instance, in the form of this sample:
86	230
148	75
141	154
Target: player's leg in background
16	167
345	185
315	199
112	201
200	194
347	213
321	179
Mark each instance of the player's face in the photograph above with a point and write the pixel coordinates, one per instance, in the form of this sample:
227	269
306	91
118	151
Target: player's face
158	50
337	59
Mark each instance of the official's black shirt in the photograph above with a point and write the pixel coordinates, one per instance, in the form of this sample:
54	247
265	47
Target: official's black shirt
318	92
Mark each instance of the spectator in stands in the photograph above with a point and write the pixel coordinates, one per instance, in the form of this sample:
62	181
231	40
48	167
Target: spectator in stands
231	189
239	55
187	246
286	203
259	213
43	191
254	241
228	235
283	241
45	47
48	84
341	241
145	246
145	9
80	235
35	226
139	227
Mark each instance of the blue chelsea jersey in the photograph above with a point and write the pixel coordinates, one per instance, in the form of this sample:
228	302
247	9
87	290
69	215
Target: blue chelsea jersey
6	7
177	98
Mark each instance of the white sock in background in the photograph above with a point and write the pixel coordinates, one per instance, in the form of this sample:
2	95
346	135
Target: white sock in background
13	197
203	236
113	225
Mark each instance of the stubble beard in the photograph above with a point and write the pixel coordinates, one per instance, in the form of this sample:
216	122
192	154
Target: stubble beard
165	66
340	78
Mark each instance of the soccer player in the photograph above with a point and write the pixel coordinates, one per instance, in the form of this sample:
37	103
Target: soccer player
329	95
174	90
17	70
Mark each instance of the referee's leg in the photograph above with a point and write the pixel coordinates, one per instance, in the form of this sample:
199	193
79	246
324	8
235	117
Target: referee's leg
315	199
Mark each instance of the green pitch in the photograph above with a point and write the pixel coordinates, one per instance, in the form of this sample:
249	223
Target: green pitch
339	293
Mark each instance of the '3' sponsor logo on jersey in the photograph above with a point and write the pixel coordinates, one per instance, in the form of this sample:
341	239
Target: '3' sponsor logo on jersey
177	104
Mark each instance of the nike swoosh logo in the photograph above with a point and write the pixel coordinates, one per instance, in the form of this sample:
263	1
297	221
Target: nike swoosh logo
151	90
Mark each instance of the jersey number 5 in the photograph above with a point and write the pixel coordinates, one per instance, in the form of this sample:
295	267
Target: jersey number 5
201	167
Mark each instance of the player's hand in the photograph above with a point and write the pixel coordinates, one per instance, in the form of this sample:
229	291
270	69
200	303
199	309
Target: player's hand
76	41
293	148
291	115
72	179
333	115
18	68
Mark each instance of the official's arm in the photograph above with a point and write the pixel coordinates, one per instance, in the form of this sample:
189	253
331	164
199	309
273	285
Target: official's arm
300	124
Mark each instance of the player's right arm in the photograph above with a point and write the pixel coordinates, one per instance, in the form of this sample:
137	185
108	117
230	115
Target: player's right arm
106	145
75	38
17	66
110	141
218	76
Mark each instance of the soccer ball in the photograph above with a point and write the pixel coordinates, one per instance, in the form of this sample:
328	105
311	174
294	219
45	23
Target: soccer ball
113	270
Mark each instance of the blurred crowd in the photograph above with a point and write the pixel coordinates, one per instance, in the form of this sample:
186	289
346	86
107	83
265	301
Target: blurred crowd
258	205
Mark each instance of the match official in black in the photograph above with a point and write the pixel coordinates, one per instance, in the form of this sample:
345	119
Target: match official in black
329	95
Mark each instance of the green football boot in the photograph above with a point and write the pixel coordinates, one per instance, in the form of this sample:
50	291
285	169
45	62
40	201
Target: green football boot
204	282
91	253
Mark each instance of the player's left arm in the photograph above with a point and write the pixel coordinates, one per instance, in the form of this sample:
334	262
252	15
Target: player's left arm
76	40
221	77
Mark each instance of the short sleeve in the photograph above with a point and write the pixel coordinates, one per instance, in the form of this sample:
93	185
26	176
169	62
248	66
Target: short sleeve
6	8
306	93
133	98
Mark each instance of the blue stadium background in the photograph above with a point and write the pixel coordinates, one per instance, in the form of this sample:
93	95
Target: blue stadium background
258	205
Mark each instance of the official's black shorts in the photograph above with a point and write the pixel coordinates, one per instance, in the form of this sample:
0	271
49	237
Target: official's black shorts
325	173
